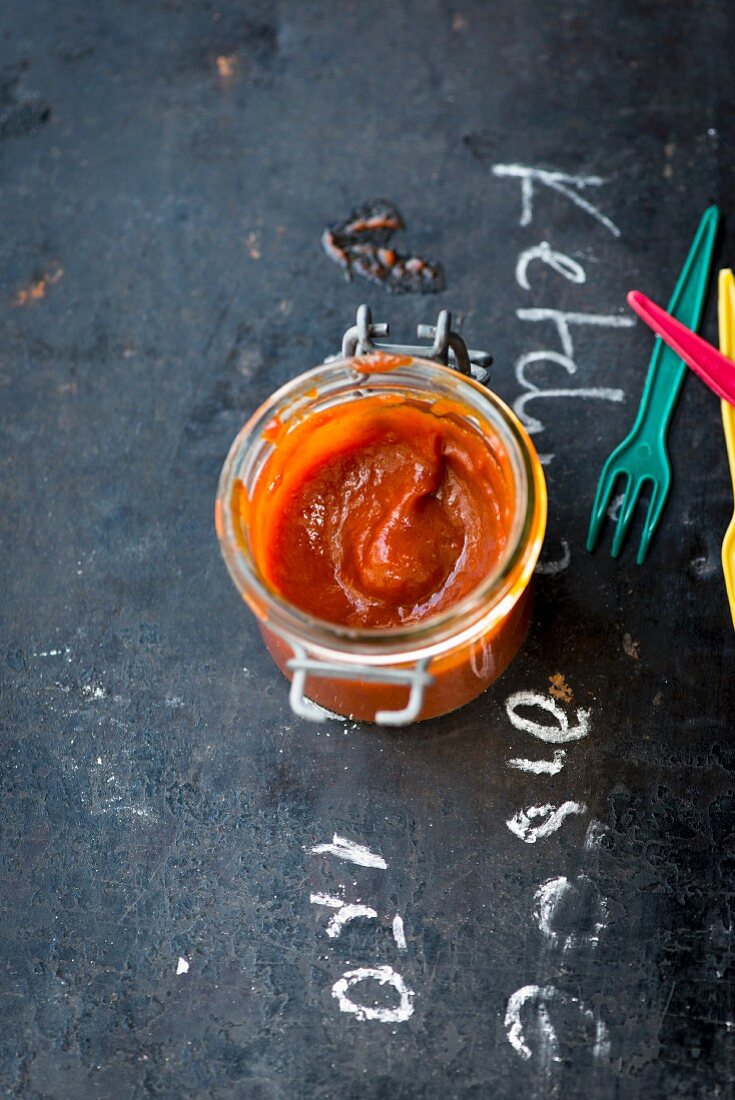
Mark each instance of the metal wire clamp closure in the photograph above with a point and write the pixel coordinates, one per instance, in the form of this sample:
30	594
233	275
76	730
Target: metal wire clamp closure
448	347
416	678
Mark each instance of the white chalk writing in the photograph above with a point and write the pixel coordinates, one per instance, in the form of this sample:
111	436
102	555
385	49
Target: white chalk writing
551	568
538	998
561	182
582	894
564	359
345	913
384	975
553	735
559	261
351	852
553	817
540	767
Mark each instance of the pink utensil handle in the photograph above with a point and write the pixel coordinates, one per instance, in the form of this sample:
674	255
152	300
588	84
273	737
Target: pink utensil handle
711	365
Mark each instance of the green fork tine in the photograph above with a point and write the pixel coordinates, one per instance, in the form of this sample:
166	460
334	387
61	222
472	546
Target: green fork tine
642	456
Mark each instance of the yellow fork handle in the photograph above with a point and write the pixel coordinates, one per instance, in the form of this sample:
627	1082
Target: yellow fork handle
726	316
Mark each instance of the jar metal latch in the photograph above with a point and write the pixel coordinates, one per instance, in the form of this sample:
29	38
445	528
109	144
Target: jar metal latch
302	666
447	347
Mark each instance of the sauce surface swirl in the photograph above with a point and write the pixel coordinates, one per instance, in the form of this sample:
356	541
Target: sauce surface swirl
379	512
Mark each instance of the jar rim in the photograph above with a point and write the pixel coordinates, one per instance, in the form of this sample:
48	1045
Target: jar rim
488	601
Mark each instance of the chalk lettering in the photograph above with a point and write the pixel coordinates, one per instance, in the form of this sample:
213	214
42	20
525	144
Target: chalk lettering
563	184
537	999
552	735
351	852
581	899
553	818
384	975
399	934
345	912
558	261
562	321
540	767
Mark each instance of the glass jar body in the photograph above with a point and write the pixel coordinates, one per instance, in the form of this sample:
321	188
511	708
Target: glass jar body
410	673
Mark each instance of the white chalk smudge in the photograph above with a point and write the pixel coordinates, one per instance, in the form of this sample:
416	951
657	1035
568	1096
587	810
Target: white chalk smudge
553	735
557	892
702	567
601	1049
540	767
616	504
182	967
551	568
114	807
399	934
384	975
596	832
351	852
514	1026
553	816
539	997
546	900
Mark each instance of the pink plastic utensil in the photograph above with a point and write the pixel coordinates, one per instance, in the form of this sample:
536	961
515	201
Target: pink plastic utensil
711	365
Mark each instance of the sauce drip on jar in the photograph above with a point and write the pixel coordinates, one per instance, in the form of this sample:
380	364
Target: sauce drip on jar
379	512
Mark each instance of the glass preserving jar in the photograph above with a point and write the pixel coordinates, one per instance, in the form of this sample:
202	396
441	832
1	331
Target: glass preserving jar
410	672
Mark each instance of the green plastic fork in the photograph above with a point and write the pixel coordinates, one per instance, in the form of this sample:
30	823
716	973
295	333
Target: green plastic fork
642	456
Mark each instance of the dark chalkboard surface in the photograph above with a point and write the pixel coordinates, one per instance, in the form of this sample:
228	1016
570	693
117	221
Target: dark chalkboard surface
179	853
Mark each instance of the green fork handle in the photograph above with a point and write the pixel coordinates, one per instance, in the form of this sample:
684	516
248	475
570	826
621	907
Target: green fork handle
666	370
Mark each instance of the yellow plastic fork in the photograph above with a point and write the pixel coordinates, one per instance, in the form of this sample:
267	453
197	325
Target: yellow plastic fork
726	317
